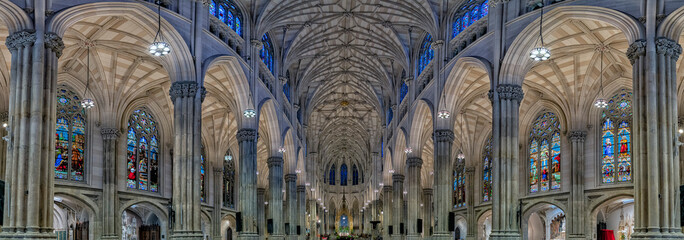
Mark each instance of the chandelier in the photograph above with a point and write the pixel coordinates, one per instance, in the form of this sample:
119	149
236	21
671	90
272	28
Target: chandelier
159	47
600	101
87	103
540	53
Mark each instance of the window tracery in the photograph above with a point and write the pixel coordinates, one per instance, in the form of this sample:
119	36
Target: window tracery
266	52
227	12
468	14
426	54
203	167
70	136
544	155
616	139
142	152
459	191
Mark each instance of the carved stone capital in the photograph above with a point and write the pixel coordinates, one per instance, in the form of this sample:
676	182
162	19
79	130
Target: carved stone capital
636	50
444	135
256	43
246	134
436	45
110	133
398	177
218	170
387	188
296	108
21	38
275	161
290	177
427	191
283	80
203	93
408	81
414	162
301	188
393	107
54	43
578	136
470	170
668	47
510	92
183	89
261	191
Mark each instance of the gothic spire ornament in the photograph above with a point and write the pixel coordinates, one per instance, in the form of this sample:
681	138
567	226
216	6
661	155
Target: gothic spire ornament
159	47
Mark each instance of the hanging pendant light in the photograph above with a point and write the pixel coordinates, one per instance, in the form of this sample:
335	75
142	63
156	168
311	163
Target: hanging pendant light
159	47
540	53
600	101
87	103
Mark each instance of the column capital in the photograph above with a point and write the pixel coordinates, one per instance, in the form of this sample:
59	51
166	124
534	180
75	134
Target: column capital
398	177
387	188
408	81
375	154
668	47
301	188
282	79
20	38
636	50
275	161
183	89
54	42
261	191
414	162
246	134
110	133
290	177
256	43
427	191
444	135
578	136
470	170
508	92
436	45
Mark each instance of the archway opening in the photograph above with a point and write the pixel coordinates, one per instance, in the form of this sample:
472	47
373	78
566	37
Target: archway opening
545	221
139	222
614	217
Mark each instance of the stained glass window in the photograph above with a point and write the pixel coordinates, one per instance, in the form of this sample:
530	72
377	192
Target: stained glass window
459	195
228	180
355	175
616	141
227	13
203	167
403	91
343	175
426	54
286	91
545	157
468	14
331	175
69	136
266	52
487	171
142	152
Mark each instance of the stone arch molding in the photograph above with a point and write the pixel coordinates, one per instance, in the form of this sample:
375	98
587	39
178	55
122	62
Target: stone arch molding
179	65
14	17
517	63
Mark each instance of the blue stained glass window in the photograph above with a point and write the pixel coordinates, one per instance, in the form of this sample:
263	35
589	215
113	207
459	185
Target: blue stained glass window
343	175
484	9
355	175
474	15
212	8
222	14
403	91
331	175
487	171
457	27
203	194
227	13
426	54
69	136
286	91
267	52
390	115
469	14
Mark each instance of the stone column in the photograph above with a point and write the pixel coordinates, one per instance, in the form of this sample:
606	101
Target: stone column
218	202
505	208
261	217
110	198
444	139
187	99
248	204
427	212
275	205
576	228
414	193
301	211
471	232
3	144
656	167
291	189
29	171
398	205
386	211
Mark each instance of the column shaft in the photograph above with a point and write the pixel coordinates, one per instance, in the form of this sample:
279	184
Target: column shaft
275	205
248	204
218	202
398	205
387	211
577	212
292	215
301	211
110	196
414	193
444	139
427	212
471	232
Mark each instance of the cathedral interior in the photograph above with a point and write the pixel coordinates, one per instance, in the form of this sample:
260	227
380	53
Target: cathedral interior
341	119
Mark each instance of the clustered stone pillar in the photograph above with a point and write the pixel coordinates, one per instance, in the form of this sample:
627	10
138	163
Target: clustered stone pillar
505	208
576	206
301	211
187	99
248	204
275	205
3	145
444	139
398	204
261	213
656	169
387	211
291	189
29	171
110	137
218	201
414	193
427	212
471	233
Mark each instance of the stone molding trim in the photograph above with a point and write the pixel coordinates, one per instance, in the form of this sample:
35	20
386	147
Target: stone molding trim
261	191
256	43
183	89
414	162
493	3
290	177
509	92
218	169
408	81
110	133
301	188
444	135
398	177
636	50
578	136
667	47
246	134
387	188
428	191
470	169
275	162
